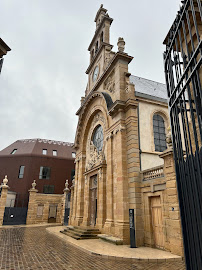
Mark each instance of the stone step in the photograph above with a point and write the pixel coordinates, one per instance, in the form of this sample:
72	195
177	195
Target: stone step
111	239
79	233
83	231
79	237
86	228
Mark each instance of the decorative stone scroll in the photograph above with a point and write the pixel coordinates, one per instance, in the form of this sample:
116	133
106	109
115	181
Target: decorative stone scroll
98	117
95	158
119	128
109	84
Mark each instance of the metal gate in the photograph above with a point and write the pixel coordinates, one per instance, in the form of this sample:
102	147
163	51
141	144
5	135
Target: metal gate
183	72
16	212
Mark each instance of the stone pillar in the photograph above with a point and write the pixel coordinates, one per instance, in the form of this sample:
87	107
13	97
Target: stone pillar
3	198
122	200
101	197
31	212
64	199
86	215
109	186
80	192
174	233
133	164
71	202
73	218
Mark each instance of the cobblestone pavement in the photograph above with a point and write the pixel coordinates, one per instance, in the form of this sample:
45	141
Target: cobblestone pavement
34	248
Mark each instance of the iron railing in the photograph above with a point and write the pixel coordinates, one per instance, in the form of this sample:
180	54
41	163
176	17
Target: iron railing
183	73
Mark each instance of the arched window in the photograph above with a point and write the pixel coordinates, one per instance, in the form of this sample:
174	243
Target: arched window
101	38
96	47
159	133
92	54
98	138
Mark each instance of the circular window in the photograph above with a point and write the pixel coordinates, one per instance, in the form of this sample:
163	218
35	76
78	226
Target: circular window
98	138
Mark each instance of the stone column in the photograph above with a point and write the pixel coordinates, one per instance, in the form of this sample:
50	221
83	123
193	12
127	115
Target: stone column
86	215
3	198
109	186
173	228
32	207
122	200
71	203
80	191
101	198
65	198
73	218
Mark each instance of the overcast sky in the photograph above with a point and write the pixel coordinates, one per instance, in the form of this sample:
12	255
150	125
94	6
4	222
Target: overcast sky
43	77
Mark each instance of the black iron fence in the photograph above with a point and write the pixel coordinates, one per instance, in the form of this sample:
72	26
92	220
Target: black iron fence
183	73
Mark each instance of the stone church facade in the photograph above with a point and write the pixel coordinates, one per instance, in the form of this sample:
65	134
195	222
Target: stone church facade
108	177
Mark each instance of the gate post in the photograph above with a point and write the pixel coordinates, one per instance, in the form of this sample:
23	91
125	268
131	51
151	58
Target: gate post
66	191
32	204
3	198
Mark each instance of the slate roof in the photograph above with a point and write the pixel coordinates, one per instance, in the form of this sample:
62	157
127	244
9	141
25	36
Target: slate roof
149	89
35	147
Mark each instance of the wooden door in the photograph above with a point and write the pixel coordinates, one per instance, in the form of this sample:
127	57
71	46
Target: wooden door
52	214
157	221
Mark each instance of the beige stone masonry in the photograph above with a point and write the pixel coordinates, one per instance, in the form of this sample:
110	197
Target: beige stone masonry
39	206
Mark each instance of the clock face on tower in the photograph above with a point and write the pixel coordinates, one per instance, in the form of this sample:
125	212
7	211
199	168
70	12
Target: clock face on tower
95	73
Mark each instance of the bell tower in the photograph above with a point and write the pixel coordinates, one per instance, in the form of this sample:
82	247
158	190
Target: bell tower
99	48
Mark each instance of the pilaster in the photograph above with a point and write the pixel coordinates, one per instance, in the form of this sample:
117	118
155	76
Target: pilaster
101	197
86	216
122	201
174	232
74	199
109	186
80	191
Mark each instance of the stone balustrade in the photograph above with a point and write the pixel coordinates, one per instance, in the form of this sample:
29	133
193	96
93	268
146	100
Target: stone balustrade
155	172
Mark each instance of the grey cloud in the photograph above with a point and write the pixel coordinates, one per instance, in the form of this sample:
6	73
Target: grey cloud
43	77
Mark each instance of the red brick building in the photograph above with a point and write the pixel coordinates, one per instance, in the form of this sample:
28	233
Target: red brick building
48	162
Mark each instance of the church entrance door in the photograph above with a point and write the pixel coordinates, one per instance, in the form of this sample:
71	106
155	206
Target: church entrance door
93	200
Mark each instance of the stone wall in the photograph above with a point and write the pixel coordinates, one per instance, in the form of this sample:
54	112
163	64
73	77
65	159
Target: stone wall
163	187
39	205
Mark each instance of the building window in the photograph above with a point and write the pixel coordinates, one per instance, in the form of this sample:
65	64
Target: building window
44	173
13	152
48	189
96	47
21	172
73	154
159	133
44	152
55	153
72	174
98	138
101	38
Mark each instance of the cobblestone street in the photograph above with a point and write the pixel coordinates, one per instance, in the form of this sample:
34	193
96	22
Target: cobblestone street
34	248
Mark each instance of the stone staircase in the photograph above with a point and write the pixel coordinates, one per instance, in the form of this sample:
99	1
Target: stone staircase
80	233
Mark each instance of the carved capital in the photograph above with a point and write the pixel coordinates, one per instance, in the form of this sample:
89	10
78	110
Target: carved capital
109	136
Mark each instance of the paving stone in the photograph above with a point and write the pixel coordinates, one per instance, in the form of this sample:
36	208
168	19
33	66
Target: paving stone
33	248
